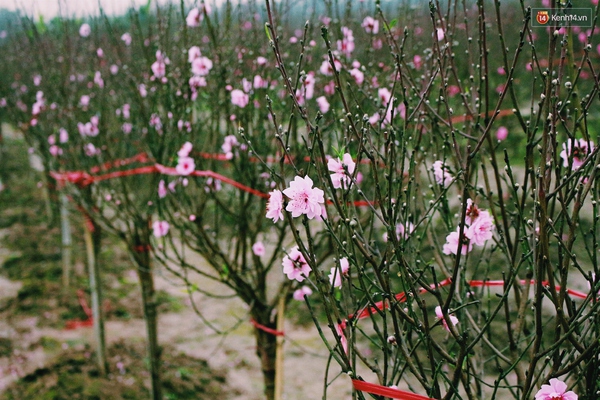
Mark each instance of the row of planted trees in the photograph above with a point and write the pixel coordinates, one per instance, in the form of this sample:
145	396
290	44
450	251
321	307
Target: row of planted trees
422	177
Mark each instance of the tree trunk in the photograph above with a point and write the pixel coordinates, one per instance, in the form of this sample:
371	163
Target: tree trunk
279	350
142	257
266	344
93	236
66	242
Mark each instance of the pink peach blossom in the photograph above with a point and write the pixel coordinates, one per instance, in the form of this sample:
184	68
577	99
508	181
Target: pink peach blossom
577	150
417	61
228	145
335	275
326	68
371	25
162	190
295	265
193	53
239	98
275	206
55	150
185	165
126	37
185	150
160	228
63	135
340	178
85	30
440	315
304	199
339	329
358	76
402	231
323	104
194	18
201	66
502	133
482	229
258	249
440	34
300	293
556	390
441	174
452	243
260	60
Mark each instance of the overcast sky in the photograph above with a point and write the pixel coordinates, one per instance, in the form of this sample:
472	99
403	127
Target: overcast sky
79	8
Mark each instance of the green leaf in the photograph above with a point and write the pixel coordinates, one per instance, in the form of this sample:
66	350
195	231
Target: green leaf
393	23
268	32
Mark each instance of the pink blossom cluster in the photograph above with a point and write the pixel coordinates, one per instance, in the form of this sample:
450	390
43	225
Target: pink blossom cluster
356	73
478	230
229	144
126	38
336	273
301	292
124	110
326	68
98	79
260	83
387	103
159	67
575	152
185	163
162	189
63	137
89	128
307	90
91	150
212	185
160	228
346	44
323	104
184	125
402	231
201	65
440	315
295	265
196	15
442	175
239	98
342	171
155	122
371	25
84	101
39	105
303	200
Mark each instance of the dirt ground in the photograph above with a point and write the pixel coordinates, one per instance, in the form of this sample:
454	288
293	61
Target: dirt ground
234	353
